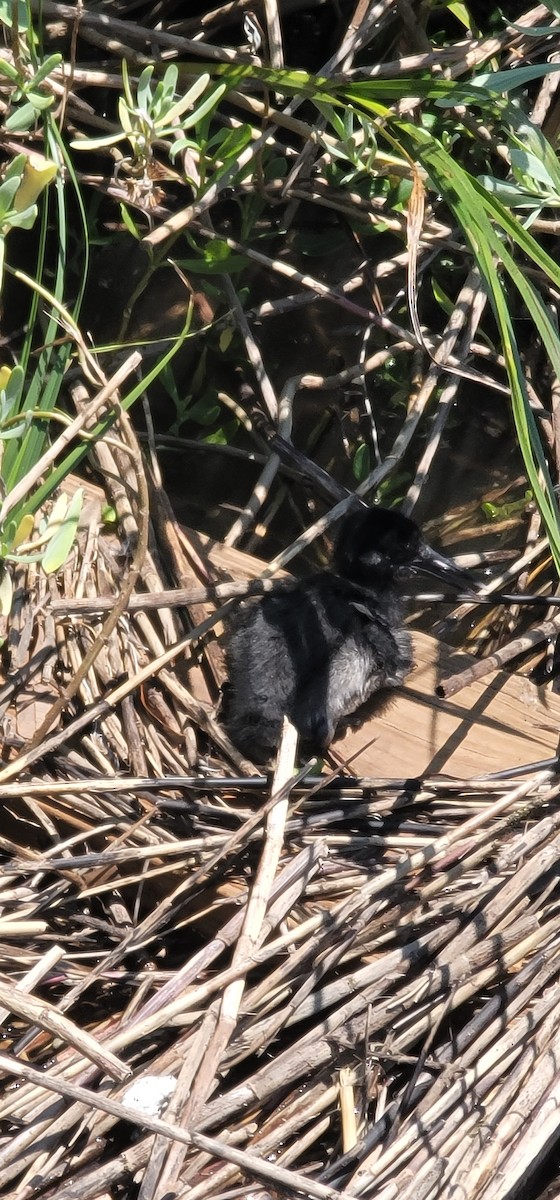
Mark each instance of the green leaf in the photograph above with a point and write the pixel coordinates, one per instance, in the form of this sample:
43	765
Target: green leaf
7	536
99	143
23	532
170	79
361	463
14	432
125	115
109	515
442	298
511	194
40	102
204	411
217	251
2	254
201	266
225	339
143	89
45	68
62	539
461	13
126	85
21	118
530	165
6	14
189	100
14	385
22	220
203	109
8	70
503	82
8	190
129	222
218	438
316	244
533	30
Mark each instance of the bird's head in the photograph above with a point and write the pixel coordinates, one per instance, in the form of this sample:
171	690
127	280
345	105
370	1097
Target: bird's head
377	545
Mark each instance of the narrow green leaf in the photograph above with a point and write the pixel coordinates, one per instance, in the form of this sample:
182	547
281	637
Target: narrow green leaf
473	207
203	109
361	463
143	89
126	85
45	68
503	82
98	143
511	194
8	70
129	222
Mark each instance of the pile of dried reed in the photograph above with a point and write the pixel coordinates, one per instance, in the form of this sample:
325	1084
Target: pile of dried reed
354	989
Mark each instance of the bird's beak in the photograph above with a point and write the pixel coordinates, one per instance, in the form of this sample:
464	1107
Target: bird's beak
431	562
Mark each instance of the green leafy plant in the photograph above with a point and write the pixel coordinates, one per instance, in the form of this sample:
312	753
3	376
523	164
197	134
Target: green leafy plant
214	153
499	512
51	542
36	523
534	180
354	143
25	75
154	113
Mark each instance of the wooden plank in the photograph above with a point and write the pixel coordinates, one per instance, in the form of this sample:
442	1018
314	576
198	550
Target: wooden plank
502	721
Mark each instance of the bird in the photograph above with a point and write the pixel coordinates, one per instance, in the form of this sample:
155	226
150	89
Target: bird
316	649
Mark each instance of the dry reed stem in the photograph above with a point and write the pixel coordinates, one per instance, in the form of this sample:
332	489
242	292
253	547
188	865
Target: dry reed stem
252	1165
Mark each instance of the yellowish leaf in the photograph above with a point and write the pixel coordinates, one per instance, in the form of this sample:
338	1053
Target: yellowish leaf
37	173
23	531
226	338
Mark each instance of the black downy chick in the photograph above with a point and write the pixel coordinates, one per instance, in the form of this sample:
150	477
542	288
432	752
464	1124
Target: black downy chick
316	650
